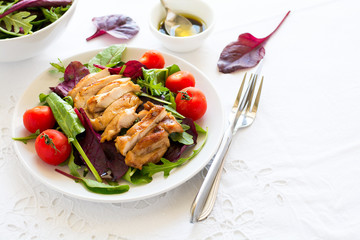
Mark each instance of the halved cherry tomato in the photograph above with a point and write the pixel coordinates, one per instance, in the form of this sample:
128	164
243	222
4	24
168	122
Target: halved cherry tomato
191	102
40	117
152	59
180	80
52	146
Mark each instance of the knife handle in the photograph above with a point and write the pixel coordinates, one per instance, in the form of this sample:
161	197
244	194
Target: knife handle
205	199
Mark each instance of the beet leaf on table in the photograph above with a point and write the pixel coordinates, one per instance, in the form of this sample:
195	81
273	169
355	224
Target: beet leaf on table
119	26
246	52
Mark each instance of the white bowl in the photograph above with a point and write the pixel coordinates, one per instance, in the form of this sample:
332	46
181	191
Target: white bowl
24	47
197	8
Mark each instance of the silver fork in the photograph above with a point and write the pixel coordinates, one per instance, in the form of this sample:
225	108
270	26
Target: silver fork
242	115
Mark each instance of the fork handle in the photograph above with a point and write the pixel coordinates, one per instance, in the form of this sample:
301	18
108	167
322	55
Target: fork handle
205	199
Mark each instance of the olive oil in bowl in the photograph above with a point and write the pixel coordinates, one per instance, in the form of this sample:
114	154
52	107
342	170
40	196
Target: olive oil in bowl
179	31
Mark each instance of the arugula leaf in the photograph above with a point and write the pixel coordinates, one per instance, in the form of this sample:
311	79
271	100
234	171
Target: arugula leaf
54	13
30	137
59	67
134	176
167	166
154	82
109	57
142	94
4	8
18	24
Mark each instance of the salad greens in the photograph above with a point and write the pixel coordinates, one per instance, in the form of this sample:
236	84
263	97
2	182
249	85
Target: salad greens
70	123
28	138
19	18
91	185
103	159
109	57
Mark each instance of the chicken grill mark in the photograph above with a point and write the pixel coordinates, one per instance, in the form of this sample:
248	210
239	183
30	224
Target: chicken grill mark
110	103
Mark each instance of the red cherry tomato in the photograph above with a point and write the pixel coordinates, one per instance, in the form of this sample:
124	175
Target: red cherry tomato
52	146
191	102
40	117
180	80
152	59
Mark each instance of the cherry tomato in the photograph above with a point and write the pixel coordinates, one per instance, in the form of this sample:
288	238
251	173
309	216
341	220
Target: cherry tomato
52	146
191	102
180	80
40	117
152	59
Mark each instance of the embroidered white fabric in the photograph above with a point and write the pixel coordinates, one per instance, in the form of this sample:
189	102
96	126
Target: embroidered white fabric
293	175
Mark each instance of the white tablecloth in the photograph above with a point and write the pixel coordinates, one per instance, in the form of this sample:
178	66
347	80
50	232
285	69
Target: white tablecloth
293	174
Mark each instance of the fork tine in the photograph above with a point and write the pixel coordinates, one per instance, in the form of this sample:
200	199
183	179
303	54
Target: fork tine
249	99
257	99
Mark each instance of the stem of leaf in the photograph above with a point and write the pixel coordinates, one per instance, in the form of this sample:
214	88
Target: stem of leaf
87	161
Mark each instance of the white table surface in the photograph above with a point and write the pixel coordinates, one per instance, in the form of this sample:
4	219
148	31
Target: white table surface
294	174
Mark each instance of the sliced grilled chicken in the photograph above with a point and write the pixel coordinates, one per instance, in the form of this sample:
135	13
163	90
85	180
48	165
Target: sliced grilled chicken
128	100
88	79
170	124
148	149
100	102
113	84
140	129
124	119
92	89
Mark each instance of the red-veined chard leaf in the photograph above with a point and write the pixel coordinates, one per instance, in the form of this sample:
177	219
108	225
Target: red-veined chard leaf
246	52
103	156
131	69
119	26
74	72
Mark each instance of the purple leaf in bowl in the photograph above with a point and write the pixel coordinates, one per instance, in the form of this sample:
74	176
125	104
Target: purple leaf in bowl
119	26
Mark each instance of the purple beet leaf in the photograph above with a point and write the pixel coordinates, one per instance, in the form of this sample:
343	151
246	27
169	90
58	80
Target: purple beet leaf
103	156
176	149
133	69
74	72
119	26
116	161
35	3
91	145
246	52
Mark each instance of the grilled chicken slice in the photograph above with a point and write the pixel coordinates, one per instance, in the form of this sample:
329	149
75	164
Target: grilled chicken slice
148	149
124	119
92	89
170	124
100	102
140	129
88	79
113	84
128	100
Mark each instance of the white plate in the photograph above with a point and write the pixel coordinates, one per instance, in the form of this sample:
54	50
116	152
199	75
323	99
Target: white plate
213	120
